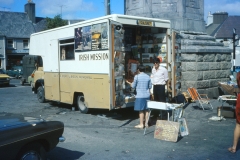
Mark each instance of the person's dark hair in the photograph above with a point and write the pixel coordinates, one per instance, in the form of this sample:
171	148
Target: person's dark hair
141	68
238	79
157	60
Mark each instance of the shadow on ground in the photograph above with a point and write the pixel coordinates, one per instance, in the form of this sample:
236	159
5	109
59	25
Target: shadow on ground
64	154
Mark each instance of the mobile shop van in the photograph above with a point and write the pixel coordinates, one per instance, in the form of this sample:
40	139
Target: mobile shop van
87	63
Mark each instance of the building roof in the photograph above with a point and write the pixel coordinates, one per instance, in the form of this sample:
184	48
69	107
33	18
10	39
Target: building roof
225	29
211	29
41	25
18	25
15	24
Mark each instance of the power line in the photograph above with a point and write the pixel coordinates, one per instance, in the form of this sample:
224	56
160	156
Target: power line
5	8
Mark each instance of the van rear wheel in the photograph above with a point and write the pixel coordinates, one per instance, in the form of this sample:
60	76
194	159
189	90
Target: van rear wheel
81	105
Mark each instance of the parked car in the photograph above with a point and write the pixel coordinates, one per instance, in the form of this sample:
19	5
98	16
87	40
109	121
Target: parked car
27	137
4	79
15	71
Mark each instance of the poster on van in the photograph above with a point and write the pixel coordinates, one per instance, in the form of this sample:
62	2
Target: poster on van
83	38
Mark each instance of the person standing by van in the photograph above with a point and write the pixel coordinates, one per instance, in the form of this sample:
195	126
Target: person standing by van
159	80
142	84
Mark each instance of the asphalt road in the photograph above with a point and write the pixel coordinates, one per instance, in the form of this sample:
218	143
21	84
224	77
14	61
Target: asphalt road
103	134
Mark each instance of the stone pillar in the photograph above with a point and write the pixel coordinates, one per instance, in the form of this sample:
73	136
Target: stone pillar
185	15
204	63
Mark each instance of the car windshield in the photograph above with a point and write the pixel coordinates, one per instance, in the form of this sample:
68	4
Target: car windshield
17	68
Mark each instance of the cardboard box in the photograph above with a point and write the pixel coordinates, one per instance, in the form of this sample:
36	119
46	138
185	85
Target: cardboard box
227	112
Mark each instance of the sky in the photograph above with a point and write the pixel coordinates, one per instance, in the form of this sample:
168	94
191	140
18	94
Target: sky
87	9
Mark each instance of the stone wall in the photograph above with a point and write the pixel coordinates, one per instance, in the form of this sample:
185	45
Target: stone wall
204	63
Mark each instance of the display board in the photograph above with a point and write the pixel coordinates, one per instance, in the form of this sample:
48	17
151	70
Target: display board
166	130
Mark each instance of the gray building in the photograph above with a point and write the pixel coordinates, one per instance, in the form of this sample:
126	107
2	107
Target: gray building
15	31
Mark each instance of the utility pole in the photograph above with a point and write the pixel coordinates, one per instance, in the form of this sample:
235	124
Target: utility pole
235	43
61	8
107	7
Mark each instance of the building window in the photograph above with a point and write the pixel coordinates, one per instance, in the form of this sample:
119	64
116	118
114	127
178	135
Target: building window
25	44
10	43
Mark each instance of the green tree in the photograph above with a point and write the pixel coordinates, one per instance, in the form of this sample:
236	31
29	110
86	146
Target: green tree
57	21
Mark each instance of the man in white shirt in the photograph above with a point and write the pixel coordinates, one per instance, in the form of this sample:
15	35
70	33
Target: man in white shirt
159	80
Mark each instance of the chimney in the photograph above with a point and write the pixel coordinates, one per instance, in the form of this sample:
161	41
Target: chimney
29	8
219	17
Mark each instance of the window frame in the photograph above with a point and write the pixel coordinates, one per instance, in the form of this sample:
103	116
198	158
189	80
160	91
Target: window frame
65	43
25	42
10	45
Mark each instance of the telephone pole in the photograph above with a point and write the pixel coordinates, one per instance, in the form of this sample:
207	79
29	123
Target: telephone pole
107	7
61	8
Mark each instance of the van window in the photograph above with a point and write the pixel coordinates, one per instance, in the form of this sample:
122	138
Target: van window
67	49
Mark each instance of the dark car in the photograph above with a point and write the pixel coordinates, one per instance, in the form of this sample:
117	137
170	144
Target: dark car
15	71
27	137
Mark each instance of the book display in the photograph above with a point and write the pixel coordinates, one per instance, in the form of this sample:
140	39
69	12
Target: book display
153	45
133	47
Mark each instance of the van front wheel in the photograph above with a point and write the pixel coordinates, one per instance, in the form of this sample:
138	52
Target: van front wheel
81	105
40	94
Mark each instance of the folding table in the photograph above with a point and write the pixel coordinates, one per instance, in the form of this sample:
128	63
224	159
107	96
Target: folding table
161	106
225	98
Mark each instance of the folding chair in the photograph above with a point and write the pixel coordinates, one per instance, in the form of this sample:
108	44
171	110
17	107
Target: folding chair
197	97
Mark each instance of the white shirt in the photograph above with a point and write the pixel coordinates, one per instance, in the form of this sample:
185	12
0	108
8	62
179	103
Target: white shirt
159	76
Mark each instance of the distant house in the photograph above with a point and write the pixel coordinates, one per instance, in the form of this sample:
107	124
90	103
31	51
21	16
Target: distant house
220	26
15	31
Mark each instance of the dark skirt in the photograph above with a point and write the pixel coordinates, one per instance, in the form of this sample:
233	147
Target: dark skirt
141	104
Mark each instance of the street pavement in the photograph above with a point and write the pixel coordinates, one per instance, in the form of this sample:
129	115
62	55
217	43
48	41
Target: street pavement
208	139
103	134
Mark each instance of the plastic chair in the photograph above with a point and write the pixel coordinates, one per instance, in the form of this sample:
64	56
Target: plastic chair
197	97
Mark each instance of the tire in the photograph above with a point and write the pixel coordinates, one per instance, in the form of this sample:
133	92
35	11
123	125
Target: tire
32	151
40	94
81	105
53	103
22	82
